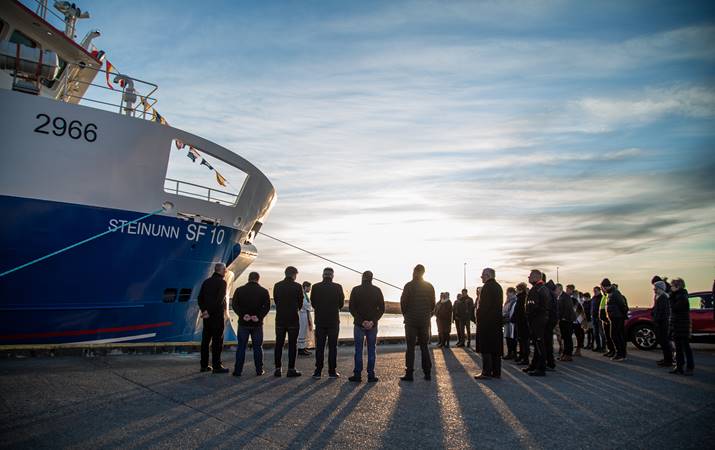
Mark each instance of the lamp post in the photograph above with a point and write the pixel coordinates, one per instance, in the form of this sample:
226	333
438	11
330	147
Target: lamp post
465	275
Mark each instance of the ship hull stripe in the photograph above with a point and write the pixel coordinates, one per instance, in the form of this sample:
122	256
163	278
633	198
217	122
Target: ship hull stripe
85	332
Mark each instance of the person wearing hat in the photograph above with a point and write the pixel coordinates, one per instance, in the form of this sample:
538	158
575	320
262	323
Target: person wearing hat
661	318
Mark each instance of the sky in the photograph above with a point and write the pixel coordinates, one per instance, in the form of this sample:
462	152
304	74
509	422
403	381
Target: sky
512	135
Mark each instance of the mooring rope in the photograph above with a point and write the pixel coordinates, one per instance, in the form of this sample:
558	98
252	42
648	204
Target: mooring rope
326	259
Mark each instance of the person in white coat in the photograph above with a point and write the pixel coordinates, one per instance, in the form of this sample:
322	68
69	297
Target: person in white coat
510	323
306	323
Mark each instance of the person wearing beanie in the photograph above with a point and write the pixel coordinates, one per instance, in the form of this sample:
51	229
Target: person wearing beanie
661	318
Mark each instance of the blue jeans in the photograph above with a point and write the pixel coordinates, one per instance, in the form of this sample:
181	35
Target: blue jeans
360	334
256	334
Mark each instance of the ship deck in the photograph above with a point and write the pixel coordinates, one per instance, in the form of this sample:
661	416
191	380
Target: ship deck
162	401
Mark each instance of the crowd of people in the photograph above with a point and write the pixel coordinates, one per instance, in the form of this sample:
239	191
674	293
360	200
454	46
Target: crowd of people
527	322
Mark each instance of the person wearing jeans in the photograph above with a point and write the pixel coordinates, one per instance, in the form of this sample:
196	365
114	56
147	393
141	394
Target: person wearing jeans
367	305
256	334
362	335
251	304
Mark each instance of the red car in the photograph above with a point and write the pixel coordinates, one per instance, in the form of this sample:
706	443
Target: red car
640	329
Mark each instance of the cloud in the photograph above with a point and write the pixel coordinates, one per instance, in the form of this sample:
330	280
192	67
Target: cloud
603	114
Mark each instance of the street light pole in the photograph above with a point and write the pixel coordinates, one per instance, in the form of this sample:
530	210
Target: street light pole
465	275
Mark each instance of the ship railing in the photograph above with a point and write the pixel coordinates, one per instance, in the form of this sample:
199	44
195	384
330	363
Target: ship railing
133	97
209	194
42	9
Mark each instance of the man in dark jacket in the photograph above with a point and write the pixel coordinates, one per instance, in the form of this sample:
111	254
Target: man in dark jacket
251	304
212	303
472	315
599	339
522	325
489	326
566	319
537	305
616	312
327	299
462	317
367	305
288	297
661	318
417	303
681	327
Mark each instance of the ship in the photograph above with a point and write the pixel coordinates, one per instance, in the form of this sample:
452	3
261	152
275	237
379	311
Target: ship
99	243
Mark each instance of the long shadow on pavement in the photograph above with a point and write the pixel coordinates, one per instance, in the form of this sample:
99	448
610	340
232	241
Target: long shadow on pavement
416	417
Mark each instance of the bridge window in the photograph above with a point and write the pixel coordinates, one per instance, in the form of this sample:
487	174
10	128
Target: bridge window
18	37
193	173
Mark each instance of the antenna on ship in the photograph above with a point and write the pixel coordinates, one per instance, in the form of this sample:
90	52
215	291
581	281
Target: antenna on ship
72	13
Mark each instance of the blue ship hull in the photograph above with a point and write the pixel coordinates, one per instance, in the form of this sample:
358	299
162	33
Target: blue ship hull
116	288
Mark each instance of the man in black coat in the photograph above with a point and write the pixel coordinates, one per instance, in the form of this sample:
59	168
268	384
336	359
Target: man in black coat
616	311
537	306
288	297
681	327
327	300
251	304
566	319
367	305
417	303
522	325
552	321
212	303
489	326
462	317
